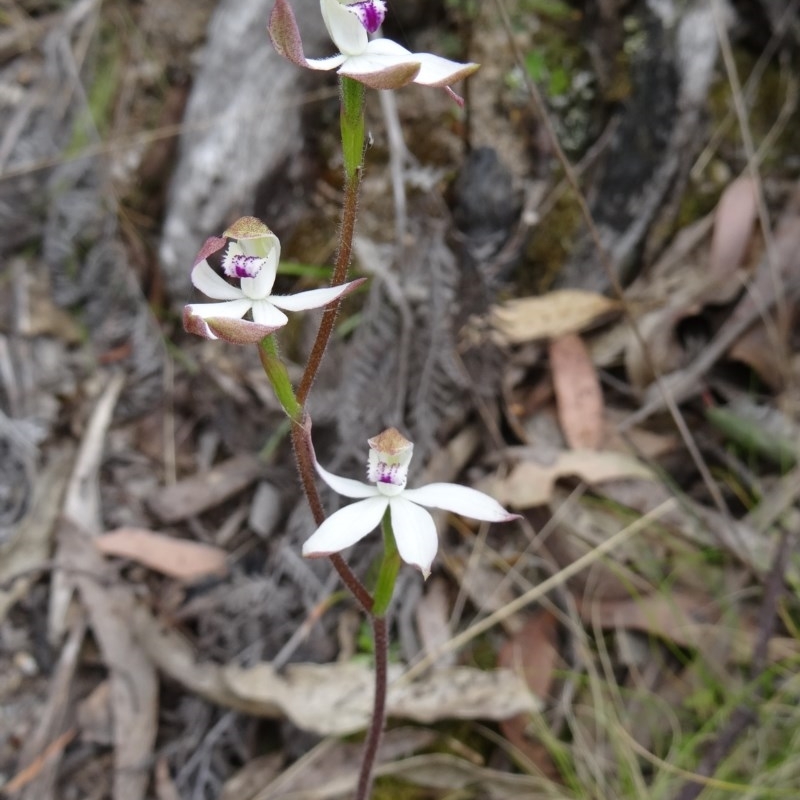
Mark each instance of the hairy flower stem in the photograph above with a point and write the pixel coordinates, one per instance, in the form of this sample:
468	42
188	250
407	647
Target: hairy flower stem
384	589
352	123
380	635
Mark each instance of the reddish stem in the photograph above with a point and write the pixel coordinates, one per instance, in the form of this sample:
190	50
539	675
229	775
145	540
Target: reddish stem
349	212
304	457
380	634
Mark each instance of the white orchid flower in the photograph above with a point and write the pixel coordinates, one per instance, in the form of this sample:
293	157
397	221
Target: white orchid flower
251	258
377	63
414	528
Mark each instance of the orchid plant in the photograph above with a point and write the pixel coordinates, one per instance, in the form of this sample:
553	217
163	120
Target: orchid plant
238	272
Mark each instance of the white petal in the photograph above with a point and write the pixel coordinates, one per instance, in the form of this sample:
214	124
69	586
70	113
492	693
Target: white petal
346	30
415	534
380	54
259	287
315	298
325	63
387	47
264	313
213	285
234	309
346	487
461	500
346	527
438	71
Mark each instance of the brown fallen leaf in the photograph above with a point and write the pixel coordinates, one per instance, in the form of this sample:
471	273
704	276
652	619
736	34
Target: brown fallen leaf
734	220
205	490
688	620
533	653
579	398
757	350
551	315
176	558
330	699
532	484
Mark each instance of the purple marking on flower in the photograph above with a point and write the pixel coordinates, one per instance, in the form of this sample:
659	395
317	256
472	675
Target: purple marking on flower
371	13
237	265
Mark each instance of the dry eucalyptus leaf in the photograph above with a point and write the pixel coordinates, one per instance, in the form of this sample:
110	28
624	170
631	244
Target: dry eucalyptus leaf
579	398
687	620
336	699
330	699
733	227
176	558
206	490
551	315
533	652
532	484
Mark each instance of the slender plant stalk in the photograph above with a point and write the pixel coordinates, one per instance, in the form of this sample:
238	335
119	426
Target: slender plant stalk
352	124
379	632
384	589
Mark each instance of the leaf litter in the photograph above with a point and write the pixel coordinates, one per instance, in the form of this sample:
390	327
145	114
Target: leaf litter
143	606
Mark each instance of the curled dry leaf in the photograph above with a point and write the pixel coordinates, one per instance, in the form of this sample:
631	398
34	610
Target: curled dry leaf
206	490
331	699
579	398
532	484
336	699
176	558
551	315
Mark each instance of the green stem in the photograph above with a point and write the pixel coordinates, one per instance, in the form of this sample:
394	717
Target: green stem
383	597
390	566
352	126
352	122
279	378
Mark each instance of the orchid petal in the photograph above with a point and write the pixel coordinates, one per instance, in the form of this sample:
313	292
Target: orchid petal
239	331
438	71
232	309
264	313
345	527
201	320
414	533
346	487
213	285
386	74
325	63
260	285
196	325
460	500
344	27
379	55
285	35
370	13
211	245
314	298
